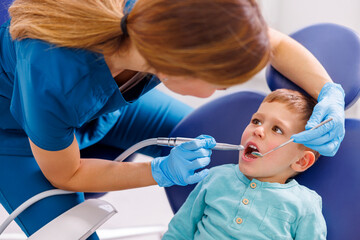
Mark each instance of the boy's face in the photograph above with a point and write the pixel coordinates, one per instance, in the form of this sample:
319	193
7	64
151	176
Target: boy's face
270	126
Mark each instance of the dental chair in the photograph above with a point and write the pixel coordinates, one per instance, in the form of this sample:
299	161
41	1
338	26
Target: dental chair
87	217
336	179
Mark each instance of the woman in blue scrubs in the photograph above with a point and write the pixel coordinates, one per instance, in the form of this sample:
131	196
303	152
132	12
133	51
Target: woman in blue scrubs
75	73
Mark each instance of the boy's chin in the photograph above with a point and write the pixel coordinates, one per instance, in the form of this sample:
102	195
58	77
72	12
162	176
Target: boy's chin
246	171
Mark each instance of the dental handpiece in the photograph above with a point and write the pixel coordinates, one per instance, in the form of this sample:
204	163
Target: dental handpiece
172	142
175	141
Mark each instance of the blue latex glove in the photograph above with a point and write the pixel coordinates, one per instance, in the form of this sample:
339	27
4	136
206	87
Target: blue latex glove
327	138
179	166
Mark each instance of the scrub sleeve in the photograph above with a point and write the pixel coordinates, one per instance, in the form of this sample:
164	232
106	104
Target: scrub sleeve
59	92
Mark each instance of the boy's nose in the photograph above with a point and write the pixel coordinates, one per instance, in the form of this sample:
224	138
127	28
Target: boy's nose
259	132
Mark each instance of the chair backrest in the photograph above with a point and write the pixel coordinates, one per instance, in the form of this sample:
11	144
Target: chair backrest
4	5
336	179
338	50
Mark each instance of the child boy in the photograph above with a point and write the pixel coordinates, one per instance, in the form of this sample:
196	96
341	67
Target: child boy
257	199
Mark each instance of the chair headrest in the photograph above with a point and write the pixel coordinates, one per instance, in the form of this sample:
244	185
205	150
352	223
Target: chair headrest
338	50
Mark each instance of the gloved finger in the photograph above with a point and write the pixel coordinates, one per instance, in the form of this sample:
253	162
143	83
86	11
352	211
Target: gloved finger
318	115
193	145
327	137
319	140
203	136
329	149
197	177
309	135
198	143
200	153
200	163
329	125
210	140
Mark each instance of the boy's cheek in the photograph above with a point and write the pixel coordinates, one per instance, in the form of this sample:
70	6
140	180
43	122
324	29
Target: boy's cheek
276	154
244	137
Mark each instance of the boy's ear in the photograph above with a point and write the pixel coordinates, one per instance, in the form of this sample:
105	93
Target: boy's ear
306	161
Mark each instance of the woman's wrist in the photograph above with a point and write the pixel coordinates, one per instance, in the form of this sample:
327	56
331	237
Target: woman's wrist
329	88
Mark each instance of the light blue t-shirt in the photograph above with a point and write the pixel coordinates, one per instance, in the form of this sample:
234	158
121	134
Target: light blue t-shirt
227	205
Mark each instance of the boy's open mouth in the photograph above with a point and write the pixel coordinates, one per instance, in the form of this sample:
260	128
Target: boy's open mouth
249	149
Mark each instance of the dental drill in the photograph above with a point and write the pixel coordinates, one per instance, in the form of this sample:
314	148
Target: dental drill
172	142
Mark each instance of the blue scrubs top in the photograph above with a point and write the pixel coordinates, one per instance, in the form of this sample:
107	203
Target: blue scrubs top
48	93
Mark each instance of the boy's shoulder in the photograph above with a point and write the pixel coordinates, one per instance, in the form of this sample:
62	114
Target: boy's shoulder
308	196
225	168
307	191
222	171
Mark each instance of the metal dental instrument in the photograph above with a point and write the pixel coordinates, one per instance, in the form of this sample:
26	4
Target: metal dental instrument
172	142
257	154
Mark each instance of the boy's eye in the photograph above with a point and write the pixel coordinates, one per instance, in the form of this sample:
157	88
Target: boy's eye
277	130
256	121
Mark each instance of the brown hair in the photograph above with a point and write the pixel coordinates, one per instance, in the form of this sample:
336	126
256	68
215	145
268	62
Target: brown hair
296	102
224	42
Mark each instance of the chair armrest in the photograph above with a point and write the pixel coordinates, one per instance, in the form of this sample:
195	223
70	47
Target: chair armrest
77	223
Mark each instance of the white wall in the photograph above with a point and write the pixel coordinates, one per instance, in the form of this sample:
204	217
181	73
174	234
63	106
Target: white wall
289	15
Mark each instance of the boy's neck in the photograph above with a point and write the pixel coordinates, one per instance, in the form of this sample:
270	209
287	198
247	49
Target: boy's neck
281	180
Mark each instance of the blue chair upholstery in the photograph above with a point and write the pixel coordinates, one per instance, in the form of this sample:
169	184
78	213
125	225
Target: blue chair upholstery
4	5
336	178
338	50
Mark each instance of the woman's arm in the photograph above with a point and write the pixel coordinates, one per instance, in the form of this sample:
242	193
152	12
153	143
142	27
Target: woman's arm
297	64
66	170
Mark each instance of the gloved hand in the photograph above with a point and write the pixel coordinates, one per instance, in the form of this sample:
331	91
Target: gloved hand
327	138
179	166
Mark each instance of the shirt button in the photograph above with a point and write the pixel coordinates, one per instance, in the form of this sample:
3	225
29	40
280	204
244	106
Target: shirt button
239	220
245	201
253	185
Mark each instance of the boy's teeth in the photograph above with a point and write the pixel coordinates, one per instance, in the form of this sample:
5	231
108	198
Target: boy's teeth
252	146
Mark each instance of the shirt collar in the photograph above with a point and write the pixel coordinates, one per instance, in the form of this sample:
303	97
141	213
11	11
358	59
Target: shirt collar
247	181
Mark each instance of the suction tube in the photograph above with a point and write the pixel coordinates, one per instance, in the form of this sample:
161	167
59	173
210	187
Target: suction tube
28	203
134	148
